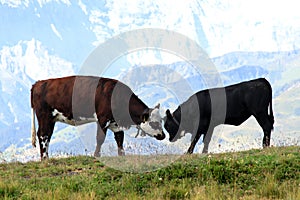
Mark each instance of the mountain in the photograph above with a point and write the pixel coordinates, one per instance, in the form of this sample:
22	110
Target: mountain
167	84
42	39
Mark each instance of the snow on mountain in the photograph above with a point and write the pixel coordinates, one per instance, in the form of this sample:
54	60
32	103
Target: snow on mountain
219	27
52	38
20	65
250	26
30	60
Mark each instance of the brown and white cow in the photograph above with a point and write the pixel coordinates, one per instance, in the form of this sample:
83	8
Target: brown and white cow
77	100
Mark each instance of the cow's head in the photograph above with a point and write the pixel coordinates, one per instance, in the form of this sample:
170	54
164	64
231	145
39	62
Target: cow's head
151	124
172	126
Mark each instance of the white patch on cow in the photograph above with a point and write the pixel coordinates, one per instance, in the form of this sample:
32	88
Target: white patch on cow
182	133
82	120
95	116
154	117
44	145
115	128
45	155
107	124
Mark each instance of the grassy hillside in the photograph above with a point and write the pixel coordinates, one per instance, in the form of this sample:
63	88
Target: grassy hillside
272	173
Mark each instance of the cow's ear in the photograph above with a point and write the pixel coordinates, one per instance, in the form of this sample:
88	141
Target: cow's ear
158	105
168	113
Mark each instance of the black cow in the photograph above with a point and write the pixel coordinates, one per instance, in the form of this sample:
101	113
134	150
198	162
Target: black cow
232	105
77	100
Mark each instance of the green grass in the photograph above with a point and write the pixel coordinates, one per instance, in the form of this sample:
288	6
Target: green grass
272	173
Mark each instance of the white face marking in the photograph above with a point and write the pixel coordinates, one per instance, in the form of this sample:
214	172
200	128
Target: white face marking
82	120
155	118
155	115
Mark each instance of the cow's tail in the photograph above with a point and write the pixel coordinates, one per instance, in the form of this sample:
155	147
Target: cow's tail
271	116
33	130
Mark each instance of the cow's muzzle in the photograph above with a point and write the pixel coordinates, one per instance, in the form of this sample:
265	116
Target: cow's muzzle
160	136
173	137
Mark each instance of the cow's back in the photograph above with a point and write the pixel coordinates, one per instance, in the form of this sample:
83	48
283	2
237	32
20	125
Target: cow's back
246	99
241	101
51	94
250	93
71	95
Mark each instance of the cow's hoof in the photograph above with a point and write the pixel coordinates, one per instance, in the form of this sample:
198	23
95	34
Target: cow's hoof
97	154
205	151
121	152
188	153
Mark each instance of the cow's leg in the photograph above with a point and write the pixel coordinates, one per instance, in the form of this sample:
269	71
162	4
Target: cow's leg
45	130
194	142
266	124
266	139
206	140
119	137
101	134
